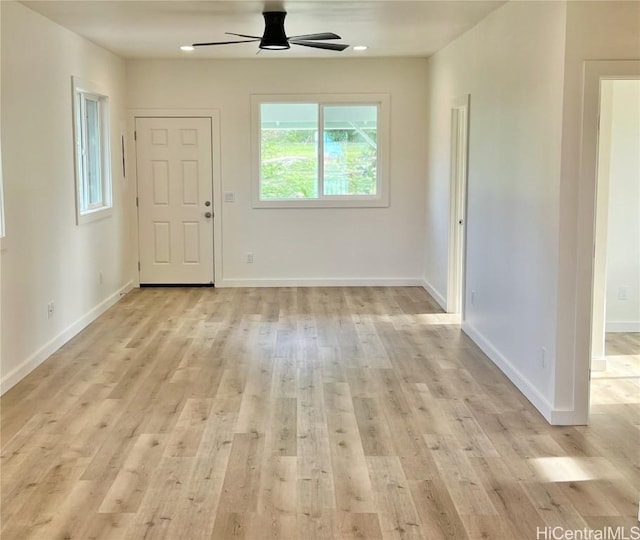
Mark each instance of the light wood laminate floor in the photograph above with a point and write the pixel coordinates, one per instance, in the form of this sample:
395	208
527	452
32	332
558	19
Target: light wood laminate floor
620	382
297	413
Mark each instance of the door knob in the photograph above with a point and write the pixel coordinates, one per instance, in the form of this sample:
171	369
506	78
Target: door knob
208	214
207	203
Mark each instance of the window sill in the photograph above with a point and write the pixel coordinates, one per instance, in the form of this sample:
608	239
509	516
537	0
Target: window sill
378	202
94	215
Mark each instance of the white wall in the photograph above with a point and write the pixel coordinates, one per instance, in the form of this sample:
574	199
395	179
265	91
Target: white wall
595	31
304	246
512	65
623	242
47	257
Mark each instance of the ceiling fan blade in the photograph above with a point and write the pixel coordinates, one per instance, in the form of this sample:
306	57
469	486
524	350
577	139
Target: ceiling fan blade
243	35
314	37
326	46
223	42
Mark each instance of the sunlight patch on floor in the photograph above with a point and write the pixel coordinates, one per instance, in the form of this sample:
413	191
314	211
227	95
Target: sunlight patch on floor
439	318
572	469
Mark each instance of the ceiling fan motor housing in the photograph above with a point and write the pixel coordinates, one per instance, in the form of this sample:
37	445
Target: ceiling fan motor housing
274	36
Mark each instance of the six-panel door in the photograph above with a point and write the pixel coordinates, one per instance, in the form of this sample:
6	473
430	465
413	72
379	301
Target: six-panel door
175	200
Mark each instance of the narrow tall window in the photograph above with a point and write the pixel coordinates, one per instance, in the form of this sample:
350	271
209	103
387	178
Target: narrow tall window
91	130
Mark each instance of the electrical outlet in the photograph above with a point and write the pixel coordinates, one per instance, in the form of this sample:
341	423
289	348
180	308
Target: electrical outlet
51	308
543	358
623	293
249	258
229	196
473	298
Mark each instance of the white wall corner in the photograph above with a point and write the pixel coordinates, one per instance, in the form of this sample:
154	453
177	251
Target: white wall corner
536	398
437	296
44	352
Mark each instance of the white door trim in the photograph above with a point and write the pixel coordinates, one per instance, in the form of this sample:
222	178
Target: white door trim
594	72
214	114
458	205
598	333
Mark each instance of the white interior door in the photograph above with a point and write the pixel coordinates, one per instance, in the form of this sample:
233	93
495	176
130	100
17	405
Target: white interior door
175	200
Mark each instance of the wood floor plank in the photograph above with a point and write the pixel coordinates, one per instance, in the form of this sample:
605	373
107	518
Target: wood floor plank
282	436
393	500
436	510
553	506
254	410
242	478
375	434
129	487
38	509
464	484
507	494
351	526
159	509
185	437
198	502
351	477
303	413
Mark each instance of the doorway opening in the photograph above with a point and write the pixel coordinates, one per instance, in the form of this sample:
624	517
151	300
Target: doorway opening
458	205
615	331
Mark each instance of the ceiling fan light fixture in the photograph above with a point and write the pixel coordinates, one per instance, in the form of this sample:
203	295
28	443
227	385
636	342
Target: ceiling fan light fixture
360	48
187	48
273	46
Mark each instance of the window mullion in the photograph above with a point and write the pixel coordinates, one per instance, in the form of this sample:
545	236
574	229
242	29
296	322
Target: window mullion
320	151
84	150
98	156
104	152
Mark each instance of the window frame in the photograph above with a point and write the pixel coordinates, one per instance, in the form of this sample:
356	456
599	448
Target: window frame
84	91
380	199
2	218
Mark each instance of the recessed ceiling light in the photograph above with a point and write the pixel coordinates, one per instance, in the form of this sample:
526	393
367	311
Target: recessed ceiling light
186	48
360	48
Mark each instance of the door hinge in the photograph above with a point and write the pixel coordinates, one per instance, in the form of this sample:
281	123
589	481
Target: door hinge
137	203
138	266
135	135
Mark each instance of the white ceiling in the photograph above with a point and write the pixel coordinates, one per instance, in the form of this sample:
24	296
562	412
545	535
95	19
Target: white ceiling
156	29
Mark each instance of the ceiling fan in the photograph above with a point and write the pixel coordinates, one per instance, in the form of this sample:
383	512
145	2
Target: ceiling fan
275	38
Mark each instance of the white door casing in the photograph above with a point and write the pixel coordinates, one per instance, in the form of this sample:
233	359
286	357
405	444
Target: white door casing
175	223
458	205
572	378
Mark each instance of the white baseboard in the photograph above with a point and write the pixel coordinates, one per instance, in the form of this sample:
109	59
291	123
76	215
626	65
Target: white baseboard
599	363
441	300
321	282
622	326
44	352
568	417
514	375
